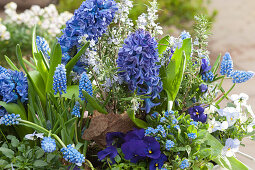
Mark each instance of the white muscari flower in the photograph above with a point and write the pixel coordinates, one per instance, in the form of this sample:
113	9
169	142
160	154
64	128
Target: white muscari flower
240	99
34	135
231	146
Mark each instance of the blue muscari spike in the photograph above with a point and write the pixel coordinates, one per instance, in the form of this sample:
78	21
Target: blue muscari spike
43	46
85	84
59	79
10	119
48	144
241	76
208	76
226	66
76	110
70	154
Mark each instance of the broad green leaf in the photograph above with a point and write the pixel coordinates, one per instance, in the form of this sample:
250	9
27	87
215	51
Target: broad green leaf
236	164
70	91
14	140
9	61
173	75
39	153
216	64
14	108
7	152
34	46
40	163
29	64
20	59
162	44
50	156
38	80
3	163
75	59
138	122
93	102
55	60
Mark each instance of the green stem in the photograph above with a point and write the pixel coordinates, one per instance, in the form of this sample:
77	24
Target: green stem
225	95
76	131
59	140
221	82
90	164
35	126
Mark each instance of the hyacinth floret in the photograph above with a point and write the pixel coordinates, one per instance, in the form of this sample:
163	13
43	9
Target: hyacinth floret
70	154
13	86
137	62
3	70
10	119
241	76
85	84
42	45
184	164
48	144
208	76
169	144
76	110
226	66
59	80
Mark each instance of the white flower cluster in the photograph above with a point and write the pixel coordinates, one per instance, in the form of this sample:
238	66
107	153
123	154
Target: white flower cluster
147	21
46	18
232	114
4	34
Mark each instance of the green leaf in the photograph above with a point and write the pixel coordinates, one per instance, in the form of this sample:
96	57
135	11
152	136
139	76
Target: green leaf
14	140
20	59
40	163
3	163
29	64
70	91
174	72
7	152
138	122
162	44
34	46
50	156
38	80
236	164
14	108
39	153
93	102
41	67
9	61
55	60
216	64
75	59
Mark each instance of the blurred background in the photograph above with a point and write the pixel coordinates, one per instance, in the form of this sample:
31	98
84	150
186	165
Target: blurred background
232	31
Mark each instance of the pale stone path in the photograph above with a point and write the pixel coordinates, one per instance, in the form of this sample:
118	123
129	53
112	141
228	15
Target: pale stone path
234	31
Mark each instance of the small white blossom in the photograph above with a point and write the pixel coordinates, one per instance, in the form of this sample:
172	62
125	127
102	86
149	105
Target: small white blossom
209	110
216	125
231	146
33	136
240	99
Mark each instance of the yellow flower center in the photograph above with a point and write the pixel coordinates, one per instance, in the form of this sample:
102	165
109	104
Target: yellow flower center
156	164
231	118
197	113
229	149
150	151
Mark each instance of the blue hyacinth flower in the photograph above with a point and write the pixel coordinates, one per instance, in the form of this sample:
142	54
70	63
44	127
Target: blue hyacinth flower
59	80
226	66
85	84
241	76
10	119
48	144
70	154
76	110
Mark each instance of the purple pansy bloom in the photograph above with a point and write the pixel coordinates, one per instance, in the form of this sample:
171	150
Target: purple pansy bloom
197	114
136	134
203	88
115	139
158	163
134	150
153	147
110	152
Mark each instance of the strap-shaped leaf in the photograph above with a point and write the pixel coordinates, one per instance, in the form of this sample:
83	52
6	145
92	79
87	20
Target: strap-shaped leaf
162	44
41	67
55	59
93	102
9	61
138	122
75	59
216	64
34	46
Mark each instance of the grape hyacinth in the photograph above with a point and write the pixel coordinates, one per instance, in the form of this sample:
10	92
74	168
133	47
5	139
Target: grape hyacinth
13	86
85	84
70	154
59	80
138	67
226	66
76	110
184	164
169	144
10	119
48	144
241	76
91	19
42	45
